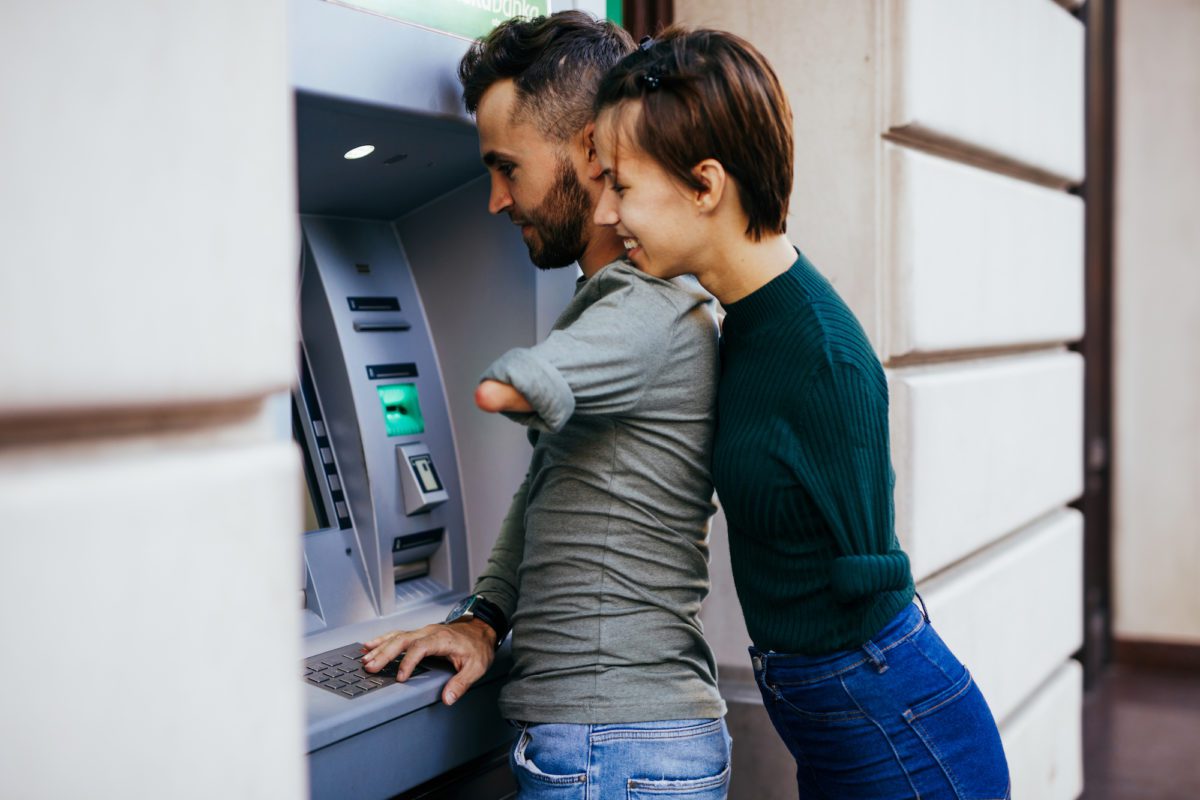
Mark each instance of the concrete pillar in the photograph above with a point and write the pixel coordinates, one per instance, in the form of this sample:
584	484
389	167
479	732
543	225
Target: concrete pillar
150	507
1156	549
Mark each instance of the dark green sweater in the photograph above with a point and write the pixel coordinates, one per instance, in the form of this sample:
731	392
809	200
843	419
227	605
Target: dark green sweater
803	469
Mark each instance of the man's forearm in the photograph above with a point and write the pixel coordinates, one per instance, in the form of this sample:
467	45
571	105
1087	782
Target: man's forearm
495	396
498	581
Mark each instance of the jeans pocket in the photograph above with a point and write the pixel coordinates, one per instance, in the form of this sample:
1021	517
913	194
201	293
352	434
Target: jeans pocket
960	733
823	702
536	783
715	787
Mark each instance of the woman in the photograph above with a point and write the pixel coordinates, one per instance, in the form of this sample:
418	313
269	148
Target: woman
694	136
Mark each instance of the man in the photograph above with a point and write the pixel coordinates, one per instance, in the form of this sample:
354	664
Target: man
602	560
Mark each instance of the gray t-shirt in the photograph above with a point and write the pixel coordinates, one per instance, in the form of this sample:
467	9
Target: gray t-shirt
602	560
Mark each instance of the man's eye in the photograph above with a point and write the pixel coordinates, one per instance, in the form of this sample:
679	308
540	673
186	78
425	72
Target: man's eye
507	169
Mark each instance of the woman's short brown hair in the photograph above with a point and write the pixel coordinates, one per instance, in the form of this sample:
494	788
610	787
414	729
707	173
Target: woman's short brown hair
711	94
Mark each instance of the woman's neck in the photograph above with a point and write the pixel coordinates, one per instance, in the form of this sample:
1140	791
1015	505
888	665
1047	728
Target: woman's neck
740	266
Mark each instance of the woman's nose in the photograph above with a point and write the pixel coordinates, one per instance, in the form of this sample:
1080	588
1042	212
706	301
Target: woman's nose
606	210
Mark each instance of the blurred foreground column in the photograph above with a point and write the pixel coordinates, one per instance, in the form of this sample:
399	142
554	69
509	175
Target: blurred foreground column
148	506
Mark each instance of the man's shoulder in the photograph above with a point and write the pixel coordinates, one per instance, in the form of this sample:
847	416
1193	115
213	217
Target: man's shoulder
638	292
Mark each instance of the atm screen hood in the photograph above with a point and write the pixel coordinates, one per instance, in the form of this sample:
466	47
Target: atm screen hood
417	158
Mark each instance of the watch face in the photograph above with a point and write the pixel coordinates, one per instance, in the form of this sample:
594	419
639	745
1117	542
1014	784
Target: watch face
461	608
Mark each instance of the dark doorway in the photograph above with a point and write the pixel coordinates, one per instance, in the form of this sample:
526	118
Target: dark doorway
1099	17
647	17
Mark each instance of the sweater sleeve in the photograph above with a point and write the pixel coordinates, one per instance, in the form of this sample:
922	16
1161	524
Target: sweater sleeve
600	364
851	479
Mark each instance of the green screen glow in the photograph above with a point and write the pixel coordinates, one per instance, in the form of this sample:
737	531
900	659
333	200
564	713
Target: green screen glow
401	409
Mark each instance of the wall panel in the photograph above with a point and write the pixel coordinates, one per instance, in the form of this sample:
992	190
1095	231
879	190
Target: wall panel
142	591
978	259
154	253
1013	613
1044	739
1004	78
982	448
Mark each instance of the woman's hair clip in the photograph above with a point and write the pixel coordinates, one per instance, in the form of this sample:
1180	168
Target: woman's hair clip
646	43
650	80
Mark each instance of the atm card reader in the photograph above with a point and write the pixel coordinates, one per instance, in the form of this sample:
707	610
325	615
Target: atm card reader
419	479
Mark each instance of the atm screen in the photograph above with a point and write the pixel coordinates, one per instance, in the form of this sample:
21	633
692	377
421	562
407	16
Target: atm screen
401	409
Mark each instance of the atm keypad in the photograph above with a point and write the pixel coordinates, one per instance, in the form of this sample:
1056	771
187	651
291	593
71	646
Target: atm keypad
341	672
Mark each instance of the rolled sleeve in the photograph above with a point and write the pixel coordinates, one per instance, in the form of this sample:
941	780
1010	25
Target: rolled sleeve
542	386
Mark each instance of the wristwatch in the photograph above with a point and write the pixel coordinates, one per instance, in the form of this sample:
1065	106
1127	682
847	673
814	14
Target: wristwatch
476	605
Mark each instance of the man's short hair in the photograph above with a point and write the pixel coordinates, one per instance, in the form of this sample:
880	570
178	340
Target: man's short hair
556	63
711	94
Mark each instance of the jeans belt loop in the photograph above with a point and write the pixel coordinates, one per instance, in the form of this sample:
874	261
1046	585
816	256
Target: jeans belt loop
875	656
924	610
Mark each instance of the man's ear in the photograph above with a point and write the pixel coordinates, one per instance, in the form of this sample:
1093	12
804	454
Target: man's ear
588	140
710	173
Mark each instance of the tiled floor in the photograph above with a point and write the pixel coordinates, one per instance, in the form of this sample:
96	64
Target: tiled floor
1142	736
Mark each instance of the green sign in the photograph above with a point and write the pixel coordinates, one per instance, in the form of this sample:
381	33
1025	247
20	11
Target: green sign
469	19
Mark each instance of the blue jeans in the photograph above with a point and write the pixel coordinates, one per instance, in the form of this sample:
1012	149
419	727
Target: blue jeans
635	761
899	717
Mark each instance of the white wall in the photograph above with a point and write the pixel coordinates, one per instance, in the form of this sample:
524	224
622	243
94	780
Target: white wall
934	140
1156	502
148	589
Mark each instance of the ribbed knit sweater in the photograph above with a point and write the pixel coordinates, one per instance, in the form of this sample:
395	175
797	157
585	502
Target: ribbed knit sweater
803	469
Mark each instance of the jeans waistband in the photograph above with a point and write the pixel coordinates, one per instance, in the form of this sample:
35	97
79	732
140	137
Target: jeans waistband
802	668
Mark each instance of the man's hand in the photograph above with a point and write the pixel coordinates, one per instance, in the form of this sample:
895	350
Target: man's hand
494	396
469	644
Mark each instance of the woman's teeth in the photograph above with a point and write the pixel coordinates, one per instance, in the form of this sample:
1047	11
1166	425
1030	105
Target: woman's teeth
631	243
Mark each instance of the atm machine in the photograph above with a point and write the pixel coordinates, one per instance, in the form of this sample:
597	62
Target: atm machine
399	261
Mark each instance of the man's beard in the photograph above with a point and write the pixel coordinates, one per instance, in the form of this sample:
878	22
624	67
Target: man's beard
559	221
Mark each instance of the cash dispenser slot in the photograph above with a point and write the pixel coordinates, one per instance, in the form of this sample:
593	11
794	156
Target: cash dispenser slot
373	303
411	553
382	327
388	371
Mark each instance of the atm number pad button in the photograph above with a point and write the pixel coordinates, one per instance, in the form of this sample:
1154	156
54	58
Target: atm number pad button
341	672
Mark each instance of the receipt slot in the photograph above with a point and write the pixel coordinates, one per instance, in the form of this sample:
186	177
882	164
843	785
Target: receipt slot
419	479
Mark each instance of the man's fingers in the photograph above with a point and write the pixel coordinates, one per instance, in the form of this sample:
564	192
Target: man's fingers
457	686
415	652
377	658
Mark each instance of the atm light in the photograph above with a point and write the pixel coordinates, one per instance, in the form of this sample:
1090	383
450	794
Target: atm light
360	152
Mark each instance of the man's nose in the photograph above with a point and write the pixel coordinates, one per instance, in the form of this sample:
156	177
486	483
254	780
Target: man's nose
606	210
500	199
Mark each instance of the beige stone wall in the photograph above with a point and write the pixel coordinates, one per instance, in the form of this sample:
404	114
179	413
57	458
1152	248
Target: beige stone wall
148	505
935	141
1156	447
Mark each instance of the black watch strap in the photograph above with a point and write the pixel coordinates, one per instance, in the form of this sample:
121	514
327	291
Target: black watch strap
487	611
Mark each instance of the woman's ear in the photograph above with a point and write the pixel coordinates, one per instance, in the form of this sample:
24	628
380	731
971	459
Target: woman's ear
711	174
588	141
